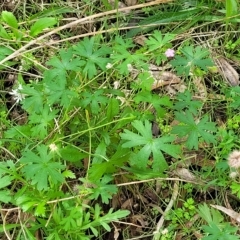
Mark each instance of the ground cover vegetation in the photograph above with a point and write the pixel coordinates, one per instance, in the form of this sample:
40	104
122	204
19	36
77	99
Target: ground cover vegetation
119	119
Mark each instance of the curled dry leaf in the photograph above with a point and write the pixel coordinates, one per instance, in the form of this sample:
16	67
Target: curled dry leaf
151	195
185	174
163	78
127	204
173	90
139	219
153	67
140	40
234	215
227	71
155	129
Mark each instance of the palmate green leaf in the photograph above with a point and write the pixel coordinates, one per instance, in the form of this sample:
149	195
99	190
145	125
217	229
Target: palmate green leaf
192	58
134	139
69	174
56	88
40	168
42	122
103	189
155	100
70	221
215	232
61	65
137	60
55	73
121	45
185	101
157	40
210	215
144	82
40	210
93	55
34	98
67	61
58	92
233	94
150	145
193	130
123	58
201	57
94	100
56	78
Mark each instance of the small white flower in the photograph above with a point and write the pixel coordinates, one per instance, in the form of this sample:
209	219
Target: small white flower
130	67
164	231
116	85
53	147
109	65
17	95
233	175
